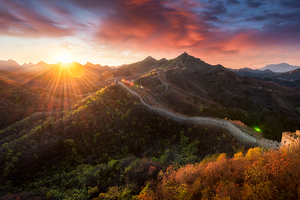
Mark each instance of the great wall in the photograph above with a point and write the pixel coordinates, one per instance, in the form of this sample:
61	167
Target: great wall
240	135
290	139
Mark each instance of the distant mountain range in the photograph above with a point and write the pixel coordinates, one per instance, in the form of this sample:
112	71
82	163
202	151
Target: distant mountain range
291	75
281	67
253	72
288	79
194	87
268	70
9	65
51	142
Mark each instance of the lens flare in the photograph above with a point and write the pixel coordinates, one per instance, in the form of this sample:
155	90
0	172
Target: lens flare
257	129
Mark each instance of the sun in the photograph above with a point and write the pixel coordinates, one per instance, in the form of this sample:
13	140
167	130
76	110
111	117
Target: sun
64	58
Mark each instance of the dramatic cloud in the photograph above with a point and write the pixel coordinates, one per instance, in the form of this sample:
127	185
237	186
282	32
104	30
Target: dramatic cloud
290	3
212	28
153	25
233	2
18	19
254	3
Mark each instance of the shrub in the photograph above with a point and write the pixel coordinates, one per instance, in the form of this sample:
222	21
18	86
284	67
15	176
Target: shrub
93	191
142	171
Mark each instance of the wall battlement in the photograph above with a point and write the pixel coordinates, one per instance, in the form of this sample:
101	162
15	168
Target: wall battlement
269	143
289	139
240	135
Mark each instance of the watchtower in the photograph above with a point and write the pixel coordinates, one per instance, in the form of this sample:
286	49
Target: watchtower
289	139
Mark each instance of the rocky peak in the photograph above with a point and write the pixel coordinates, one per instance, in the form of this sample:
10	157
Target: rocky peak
149	58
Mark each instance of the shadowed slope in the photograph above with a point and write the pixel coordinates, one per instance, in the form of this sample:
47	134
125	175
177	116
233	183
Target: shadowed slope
19	101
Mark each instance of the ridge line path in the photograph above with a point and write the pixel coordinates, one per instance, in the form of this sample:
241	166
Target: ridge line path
163	79
221	123
164	82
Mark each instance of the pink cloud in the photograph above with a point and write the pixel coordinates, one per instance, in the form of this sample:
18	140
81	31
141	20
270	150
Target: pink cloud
147	25
159	27
17	20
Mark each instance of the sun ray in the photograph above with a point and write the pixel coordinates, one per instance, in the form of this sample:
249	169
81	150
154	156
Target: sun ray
64	58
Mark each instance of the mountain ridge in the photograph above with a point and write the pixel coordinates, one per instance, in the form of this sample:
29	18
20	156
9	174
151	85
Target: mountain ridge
281	67
111	142
253	72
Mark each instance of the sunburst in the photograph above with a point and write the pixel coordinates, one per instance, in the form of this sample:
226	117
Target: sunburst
64	58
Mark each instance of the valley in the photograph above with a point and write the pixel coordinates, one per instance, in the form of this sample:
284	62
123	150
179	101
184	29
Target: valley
149	100
117	131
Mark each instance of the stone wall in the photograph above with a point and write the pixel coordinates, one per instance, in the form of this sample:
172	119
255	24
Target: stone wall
289	139
240	135
234	130
269	143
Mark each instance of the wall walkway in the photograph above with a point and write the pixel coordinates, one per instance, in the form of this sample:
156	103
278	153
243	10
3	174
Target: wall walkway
221	123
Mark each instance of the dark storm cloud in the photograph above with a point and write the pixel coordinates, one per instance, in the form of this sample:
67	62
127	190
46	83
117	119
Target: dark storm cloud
273	35
290	3
254	3
291	17
233	2
218	9
288	32
213	12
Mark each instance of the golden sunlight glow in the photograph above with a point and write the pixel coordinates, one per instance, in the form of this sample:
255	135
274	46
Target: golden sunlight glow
75	70
64	58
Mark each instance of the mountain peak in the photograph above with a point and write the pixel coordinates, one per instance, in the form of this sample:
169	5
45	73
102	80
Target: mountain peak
11	60
281	67
41	63
27	64
9	65
186	56
183	55
149	58
88	63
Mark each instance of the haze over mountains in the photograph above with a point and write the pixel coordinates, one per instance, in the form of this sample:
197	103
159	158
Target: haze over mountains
74	81
70	126
12	65
197	85
9	65
253	72
90	115
281	67
287	78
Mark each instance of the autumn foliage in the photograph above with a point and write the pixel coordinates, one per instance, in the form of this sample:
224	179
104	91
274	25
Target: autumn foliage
259	174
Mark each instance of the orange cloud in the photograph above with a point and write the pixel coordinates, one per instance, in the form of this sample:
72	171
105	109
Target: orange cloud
212	30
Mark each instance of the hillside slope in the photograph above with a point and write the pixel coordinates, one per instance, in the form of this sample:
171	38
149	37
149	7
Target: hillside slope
214	91
253	72
291	75
19	101
110	124
9	65
138	67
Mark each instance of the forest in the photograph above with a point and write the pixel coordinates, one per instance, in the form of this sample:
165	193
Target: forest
107	138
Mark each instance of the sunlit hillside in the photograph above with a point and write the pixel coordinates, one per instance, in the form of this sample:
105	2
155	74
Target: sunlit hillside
73	131
149	99
110	126
19	101
254	174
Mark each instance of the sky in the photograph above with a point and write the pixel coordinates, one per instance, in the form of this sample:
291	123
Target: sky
233	33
